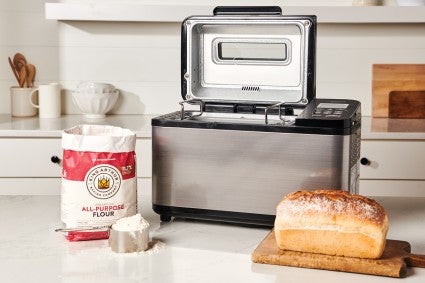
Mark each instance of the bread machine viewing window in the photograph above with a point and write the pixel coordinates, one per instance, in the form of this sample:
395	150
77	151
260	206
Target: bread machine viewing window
251	51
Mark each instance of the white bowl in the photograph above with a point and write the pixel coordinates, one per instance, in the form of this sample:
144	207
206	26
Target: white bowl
95	105
94	87
367	2
411	2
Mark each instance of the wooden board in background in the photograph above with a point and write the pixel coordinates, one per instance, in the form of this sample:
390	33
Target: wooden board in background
394	77
392	263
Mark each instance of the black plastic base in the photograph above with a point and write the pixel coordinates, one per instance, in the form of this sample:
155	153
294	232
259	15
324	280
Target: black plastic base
165	218
166	212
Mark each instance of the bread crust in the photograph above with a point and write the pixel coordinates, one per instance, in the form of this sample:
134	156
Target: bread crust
331	222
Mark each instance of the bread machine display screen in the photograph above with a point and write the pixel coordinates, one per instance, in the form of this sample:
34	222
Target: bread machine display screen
333	105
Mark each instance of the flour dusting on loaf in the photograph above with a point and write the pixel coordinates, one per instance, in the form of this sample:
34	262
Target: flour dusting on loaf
333	202
331	222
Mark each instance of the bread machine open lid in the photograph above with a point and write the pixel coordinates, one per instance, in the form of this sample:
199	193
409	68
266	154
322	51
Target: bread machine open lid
245	55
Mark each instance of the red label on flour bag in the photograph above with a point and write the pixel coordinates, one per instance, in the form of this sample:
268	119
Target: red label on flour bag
99	184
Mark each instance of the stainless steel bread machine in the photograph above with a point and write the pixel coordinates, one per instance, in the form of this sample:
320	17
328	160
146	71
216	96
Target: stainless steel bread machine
250	128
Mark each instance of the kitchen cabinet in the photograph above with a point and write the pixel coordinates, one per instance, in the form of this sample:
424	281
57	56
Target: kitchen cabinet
392	157
26	163
29	157
26	166
32	157
395	160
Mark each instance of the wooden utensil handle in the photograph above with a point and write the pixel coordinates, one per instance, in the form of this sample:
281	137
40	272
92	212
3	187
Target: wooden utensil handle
415	260
14	70
22	77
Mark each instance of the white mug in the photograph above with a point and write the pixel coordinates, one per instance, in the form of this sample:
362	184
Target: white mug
49	100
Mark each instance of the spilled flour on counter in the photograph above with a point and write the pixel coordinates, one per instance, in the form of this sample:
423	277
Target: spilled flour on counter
101	249
154	247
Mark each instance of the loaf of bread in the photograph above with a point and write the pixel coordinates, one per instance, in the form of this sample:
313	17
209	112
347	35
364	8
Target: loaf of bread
331	222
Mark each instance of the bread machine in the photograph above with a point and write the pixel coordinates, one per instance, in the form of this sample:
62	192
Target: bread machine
250	128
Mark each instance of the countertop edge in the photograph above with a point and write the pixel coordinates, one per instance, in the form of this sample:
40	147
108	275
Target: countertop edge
140	124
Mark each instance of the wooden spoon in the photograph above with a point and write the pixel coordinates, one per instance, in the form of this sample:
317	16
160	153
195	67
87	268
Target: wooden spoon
30	75
22	77
19	61
20	65
15	72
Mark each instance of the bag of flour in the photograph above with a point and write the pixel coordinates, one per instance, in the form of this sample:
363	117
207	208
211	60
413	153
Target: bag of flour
99	184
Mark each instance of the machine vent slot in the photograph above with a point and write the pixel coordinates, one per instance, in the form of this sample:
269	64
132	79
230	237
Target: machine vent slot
251	88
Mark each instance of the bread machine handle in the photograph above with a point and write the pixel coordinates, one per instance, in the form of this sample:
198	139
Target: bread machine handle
247	10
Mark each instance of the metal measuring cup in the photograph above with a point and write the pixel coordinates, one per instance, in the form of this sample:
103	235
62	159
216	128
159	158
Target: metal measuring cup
129	241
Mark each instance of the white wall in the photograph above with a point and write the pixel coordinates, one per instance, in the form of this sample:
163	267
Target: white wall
24	29
143	59
345	54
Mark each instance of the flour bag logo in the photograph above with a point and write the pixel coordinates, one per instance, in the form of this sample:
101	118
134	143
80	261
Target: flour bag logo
103	181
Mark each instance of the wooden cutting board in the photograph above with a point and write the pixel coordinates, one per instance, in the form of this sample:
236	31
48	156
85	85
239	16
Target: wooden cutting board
394	77
406	104
393	262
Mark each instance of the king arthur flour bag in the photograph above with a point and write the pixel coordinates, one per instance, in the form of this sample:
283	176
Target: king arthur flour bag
98	175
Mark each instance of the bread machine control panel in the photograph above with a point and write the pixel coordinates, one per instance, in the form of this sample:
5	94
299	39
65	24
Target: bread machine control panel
342	113
329	110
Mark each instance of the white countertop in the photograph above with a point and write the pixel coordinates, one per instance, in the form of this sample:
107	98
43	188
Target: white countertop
372	128
392	129
30	250
52	128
